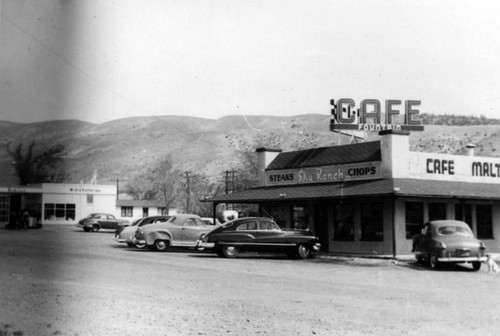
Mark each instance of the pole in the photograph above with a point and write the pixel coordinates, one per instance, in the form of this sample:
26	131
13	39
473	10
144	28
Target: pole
187	193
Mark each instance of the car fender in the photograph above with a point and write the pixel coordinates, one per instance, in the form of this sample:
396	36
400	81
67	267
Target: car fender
158	235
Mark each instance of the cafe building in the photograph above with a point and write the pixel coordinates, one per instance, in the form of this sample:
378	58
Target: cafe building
371	198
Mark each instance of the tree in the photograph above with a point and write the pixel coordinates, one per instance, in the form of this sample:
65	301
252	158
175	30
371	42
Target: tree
160	183
196	187
37	167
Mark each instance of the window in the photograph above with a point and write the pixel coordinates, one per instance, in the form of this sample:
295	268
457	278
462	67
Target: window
247	226
463	212
268	226
414	213
162	211
372	224
484	221
344	222
145	212
437	211
59	211
4	208
90	199
127	211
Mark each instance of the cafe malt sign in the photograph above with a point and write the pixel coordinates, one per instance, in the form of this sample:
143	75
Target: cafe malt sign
370	116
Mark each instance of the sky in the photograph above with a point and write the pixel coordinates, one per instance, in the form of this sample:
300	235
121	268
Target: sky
101	60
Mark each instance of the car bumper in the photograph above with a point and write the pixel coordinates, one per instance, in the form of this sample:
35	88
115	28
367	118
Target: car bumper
201	245
461	259
316	247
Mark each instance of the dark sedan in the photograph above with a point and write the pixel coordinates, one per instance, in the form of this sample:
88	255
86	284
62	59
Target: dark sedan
448	241
258	234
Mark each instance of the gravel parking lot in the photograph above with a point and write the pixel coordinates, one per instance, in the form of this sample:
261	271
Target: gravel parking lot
59	280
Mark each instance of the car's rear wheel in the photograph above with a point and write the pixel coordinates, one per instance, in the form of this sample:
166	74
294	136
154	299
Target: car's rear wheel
230	251
476	265
433	261
303	251
95	228
161	245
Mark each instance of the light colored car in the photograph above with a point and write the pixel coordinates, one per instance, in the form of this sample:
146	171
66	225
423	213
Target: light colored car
96	221
125	234
180	230
448	241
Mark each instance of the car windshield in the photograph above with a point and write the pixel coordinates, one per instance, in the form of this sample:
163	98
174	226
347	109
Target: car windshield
450	230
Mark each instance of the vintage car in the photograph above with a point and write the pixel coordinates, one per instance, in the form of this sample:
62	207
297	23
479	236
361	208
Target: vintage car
96	221
258	234
180	230
125	234
448	241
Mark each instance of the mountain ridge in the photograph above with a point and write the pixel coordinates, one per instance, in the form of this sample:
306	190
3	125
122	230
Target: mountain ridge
121	148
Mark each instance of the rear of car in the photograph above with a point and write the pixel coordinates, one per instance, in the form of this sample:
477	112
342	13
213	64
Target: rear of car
449	241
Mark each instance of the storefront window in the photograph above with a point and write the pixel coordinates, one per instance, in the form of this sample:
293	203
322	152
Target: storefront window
484	221
372	222
300	218
463	212
161	211
414	213
279	215
344	222
437	211
127	211
4	208
59	211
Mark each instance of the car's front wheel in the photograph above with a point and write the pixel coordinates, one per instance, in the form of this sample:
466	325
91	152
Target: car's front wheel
161	245
476	265
433	260
230	251
303	251
95	228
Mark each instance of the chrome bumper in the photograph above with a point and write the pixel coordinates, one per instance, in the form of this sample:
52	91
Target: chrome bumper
317	247
464	259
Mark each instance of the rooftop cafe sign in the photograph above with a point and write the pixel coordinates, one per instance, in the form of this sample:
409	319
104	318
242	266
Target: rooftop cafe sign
369	116
324	174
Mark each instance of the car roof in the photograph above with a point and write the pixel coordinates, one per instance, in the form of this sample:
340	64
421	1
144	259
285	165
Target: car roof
447	222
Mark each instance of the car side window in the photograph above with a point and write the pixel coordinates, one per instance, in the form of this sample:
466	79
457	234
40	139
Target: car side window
247	226
190	222
111	217
198	222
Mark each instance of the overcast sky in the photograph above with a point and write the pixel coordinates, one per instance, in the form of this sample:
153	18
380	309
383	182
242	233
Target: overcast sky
99	60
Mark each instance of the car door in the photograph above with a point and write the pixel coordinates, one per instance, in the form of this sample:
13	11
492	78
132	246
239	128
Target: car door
192	229
269	233
109	222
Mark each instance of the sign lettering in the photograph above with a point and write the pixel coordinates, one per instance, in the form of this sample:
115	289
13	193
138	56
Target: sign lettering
369	115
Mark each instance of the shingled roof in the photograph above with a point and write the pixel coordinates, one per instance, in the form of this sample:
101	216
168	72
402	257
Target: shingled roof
324	156
371	188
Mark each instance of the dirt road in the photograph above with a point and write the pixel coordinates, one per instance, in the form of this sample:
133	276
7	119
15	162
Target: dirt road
63	281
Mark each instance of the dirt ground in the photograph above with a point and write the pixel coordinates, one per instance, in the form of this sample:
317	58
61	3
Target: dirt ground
59	280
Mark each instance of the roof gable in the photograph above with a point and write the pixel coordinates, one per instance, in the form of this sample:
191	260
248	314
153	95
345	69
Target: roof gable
325	156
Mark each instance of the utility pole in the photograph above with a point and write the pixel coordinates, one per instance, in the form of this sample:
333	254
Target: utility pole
187	192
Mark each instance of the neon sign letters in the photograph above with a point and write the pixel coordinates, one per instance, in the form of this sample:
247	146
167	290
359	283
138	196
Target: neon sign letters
368	117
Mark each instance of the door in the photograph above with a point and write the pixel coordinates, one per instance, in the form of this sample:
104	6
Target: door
192	229
321	224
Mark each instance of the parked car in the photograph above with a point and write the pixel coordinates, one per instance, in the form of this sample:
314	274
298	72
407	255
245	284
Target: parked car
210	221
180	230
125	234
96	221
448	241
259	234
